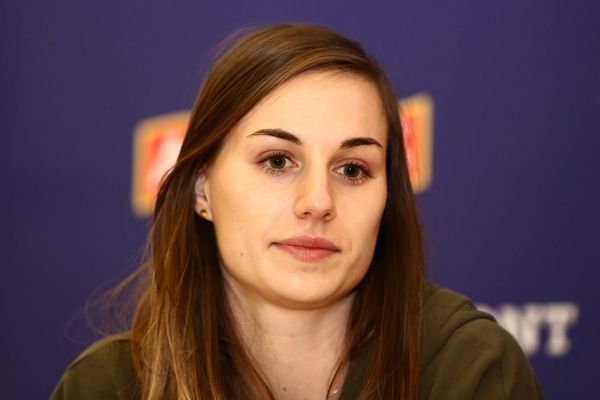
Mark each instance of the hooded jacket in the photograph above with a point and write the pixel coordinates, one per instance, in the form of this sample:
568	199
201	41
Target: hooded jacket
465	355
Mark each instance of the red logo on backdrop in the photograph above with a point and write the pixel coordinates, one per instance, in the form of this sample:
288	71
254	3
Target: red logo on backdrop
416	116
157	142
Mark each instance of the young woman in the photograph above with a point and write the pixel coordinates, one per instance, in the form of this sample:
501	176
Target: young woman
286	257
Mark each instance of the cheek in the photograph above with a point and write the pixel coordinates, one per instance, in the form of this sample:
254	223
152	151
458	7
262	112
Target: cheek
362	222
244	215
361	214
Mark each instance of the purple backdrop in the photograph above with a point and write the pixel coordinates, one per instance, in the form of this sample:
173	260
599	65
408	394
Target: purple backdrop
511	216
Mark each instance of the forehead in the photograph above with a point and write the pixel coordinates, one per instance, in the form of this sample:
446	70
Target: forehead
333	104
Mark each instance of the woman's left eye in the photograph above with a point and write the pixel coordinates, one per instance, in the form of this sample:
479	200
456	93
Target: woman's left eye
353	172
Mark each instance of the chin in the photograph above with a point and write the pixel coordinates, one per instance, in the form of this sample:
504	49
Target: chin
305	295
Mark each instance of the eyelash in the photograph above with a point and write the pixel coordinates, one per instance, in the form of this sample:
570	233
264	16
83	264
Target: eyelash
364	172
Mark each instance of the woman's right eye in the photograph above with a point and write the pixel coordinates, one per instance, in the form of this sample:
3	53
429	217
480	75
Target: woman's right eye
276	163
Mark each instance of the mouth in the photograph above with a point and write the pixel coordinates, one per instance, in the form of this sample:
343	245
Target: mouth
306	248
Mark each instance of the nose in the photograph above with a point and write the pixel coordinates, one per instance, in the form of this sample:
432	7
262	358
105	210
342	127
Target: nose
315	195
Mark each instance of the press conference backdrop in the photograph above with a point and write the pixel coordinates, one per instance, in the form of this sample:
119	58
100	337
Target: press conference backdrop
510	211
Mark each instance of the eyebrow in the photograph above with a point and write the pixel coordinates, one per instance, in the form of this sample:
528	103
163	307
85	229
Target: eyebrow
290	137
278	133
359	141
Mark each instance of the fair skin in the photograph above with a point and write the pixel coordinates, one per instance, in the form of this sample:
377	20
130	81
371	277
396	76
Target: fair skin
296	195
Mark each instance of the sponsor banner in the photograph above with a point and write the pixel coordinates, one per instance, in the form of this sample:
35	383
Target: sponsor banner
157	141
156	144
416	116
540	328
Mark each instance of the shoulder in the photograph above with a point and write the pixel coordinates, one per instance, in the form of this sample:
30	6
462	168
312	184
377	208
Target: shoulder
102	371
467	353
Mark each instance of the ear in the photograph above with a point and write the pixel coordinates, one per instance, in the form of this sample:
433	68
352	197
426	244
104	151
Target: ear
201	203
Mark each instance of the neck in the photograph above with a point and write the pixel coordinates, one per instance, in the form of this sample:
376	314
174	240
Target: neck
297	351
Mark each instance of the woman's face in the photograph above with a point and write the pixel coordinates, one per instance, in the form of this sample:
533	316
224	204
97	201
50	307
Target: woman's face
297	191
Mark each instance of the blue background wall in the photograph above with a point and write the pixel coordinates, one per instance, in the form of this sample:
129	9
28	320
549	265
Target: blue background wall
512	215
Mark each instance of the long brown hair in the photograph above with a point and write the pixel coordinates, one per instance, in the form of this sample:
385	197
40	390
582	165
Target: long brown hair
185	345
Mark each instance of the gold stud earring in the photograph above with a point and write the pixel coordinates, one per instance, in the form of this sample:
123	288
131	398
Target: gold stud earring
203	213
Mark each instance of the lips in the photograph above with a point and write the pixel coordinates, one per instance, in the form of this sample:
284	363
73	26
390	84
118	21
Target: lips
306	248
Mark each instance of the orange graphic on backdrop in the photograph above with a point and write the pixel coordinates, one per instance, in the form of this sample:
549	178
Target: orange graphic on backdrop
156	145
416	116
157	141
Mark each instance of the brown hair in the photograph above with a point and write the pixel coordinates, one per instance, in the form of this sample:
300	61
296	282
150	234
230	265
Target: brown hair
185	345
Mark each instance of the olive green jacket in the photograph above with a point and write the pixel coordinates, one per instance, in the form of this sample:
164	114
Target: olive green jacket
466	355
